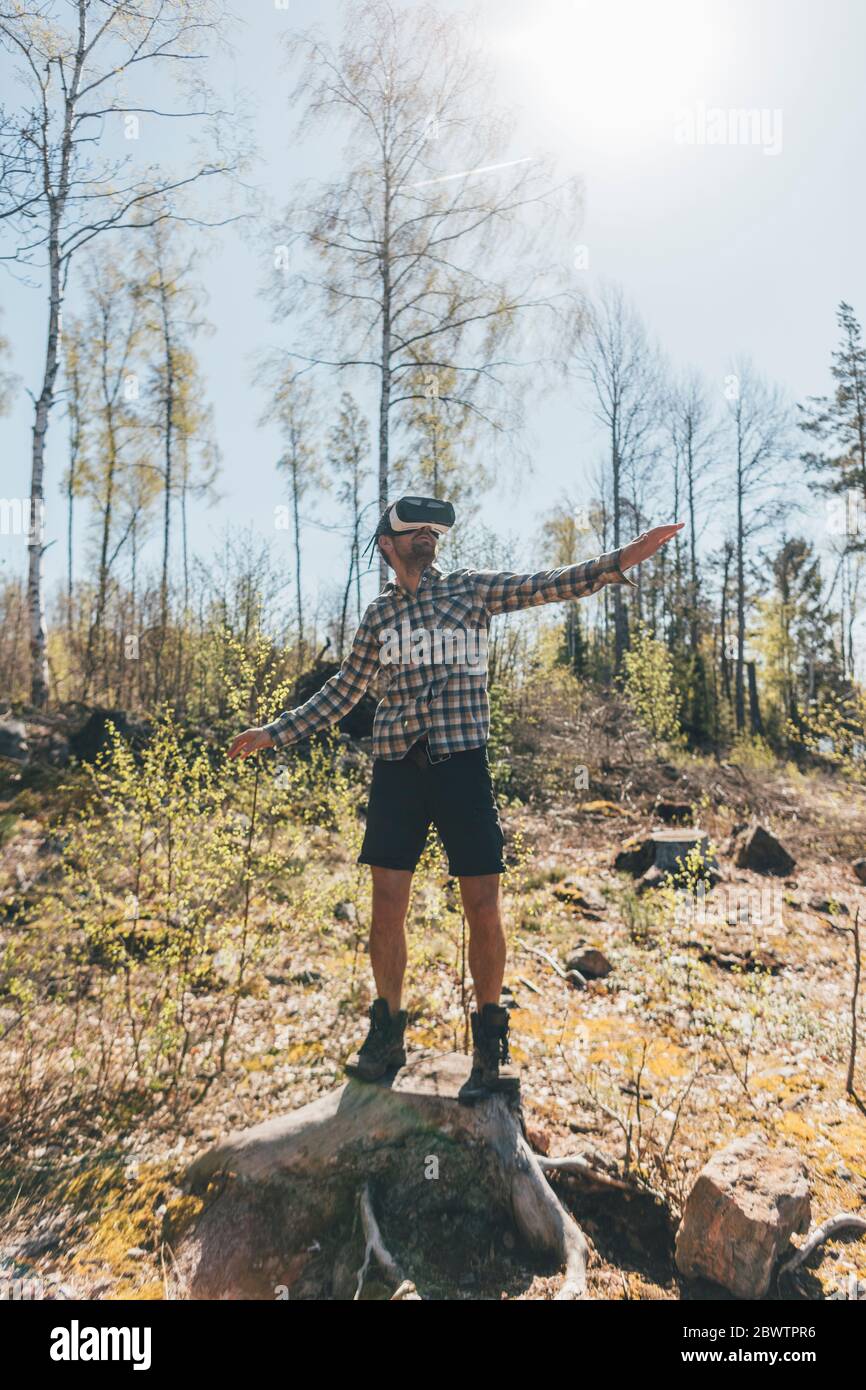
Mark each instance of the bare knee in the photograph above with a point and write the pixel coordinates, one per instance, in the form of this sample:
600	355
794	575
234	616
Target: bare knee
391	889
480	896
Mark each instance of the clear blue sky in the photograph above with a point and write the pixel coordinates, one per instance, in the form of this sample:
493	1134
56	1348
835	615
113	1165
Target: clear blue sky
724	249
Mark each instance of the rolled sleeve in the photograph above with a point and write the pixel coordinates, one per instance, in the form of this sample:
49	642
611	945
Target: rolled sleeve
336	698
502	592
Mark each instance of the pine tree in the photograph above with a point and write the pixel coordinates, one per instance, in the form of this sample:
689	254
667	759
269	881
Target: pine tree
838	424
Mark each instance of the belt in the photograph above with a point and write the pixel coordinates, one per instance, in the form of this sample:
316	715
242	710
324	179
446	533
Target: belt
419	754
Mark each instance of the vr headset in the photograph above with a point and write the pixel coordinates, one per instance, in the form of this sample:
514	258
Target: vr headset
414	514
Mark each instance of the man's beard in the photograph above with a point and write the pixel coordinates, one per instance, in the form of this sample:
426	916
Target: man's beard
423	548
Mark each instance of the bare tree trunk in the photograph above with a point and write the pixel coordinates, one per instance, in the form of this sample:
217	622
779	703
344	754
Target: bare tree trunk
297	524
36	547
72	478
344	610
35	591
723	623
168	460
179	684
95	632
620	637
385	389
693	549
757	724
740	689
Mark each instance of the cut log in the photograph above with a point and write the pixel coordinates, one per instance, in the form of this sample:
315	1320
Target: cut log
364	1176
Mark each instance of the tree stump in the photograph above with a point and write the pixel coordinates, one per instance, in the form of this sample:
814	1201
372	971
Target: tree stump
663	852
672	847
371	1186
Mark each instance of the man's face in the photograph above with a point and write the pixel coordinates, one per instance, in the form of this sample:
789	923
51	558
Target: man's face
415	547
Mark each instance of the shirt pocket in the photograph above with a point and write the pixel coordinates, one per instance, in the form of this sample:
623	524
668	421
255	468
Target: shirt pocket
462	636
456	611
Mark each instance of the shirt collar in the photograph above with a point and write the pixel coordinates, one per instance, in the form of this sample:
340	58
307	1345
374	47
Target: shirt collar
428	574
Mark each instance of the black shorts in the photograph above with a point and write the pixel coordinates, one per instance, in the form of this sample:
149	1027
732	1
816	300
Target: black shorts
455	794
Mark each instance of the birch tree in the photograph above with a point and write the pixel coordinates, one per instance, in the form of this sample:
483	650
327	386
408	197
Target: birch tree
694	439
348	455
623	371
758	422
175	406
87	72
432	250
106	346
77	414
292	408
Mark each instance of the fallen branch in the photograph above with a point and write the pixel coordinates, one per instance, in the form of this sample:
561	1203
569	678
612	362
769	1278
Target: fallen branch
576	1164
544	955
521	979
821	1233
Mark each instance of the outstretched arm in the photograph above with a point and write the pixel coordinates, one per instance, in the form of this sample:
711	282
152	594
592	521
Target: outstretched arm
336	697
506	593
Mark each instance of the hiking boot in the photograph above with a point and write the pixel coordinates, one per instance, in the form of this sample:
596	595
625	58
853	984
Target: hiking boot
491	1072
382	1050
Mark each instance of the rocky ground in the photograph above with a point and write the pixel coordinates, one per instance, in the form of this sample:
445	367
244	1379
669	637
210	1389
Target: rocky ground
688	1029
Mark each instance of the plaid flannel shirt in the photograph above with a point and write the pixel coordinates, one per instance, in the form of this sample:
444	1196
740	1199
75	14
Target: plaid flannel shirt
430	694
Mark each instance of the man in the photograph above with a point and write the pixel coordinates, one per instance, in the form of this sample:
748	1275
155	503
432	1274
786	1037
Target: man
425	635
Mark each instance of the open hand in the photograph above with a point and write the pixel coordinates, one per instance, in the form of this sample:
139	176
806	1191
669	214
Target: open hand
647	544
249	742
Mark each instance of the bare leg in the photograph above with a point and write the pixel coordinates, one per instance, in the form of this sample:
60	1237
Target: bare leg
487	950
391	888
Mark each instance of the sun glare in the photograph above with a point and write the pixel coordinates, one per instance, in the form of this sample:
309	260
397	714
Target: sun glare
615	67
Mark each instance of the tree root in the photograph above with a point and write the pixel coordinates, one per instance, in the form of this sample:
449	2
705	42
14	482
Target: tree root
821	1233
576	1165
375	1245
286	1187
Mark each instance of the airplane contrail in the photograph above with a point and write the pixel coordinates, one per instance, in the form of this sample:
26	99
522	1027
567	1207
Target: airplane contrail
465	173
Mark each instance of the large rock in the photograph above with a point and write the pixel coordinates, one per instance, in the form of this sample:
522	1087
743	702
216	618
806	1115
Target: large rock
13	741
859	867
93	737
739	1216
756	848
590	962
